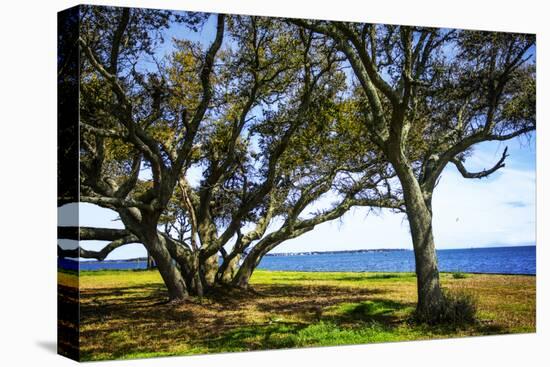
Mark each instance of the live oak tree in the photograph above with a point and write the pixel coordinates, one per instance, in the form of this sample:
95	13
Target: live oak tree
193	113
119	105
429	96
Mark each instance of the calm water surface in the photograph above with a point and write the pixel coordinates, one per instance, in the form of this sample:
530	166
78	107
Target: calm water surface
505	260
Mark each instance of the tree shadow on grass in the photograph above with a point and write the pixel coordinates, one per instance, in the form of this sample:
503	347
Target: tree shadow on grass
450	330
304	300
126	320
378	310
374	321
256	337
67	321
347	323
132	321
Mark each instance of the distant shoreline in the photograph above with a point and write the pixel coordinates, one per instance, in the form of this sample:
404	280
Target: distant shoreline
360	251
336	252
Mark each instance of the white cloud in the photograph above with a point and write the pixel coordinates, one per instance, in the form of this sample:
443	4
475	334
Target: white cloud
479	212
467	213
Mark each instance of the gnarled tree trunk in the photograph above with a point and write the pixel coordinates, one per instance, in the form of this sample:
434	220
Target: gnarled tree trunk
210	267
172	277
242	278
228	269
431	302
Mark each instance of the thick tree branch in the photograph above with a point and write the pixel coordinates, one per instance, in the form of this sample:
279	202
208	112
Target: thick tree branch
502	137
344	206
463	145
91	233
112	78
110	202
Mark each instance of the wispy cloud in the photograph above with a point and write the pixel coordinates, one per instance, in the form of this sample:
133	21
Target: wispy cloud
516	204
467	213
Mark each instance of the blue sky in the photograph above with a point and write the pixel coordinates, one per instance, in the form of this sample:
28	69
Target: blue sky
499	210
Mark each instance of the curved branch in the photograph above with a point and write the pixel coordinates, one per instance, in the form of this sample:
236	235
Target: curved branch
130	183
340	209
98	255
466	174
116	87
502	137
467	142
119	237
377	122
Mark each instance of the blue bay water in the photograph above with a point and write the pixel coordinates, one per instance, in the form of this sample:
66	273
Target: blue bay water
69	264
504	260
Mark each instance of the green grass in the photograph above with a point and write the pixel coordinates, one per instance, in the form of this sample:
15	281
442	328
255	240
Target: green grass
322	333
337	278
123	315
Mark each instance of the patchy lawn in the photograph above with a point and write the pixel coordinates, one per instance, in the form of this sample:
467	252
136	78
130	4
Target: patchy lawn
123	314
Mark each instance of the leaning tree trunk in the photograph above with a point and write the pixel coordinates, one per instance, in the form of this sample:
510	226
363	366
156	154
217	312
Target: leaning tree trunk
242	278
172	277
431	302
251	261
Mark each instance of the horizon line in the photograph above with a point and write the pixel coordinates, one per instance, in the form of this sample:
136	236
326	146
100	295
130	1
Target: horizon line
533	244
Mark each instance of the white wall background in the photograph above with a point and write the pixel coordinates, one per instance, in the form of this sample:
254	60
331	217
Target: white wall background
28	181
